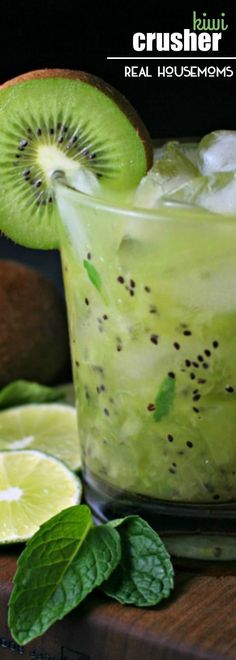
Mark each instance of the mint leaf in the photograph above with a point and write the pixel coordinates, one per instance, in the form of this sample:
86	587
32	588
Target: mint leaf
144	575
164	398
62	563
93	274
24	391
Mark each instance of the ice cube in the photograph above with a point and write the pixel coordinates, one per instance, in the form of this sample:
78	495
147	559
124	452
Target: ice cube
217	152
216	192
83	180
175	161
190	150
172	168
149	190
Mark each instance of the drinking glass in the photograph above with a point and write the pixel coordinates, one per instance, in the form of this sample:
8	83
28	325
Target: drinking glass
151	302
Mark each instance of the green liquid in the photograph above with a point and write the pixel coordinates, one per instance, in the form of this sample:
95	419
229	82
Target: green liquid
165	308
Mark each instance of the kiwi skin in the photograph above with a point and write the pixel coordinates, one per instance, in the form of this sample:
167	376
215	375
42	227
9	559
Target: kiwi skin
34	341
107	89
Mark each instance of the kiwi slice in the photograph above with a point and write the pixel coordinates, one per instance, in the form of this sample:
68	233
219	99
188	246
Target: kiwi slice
56	119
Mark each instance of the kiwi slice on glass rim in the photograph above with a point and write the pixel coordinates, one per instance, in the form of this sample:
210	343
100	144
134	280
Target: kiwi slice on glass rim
56	119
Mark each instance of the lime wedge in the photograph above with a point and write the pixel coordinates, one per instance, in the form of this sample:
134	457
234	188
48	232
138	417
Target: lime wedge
51	428
33	488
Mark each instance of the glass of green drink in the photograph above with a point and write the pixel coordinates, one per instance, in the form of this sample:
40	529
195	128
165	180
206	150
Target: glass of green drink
152	311
148	253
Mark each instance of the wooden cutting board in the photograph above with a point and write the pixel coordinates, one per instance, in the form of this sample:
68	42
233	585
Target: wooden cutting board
198	621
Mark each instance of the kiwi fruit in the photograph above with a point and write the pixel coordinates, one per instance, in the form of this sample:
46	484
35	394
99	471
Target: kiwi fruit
34	341
56	119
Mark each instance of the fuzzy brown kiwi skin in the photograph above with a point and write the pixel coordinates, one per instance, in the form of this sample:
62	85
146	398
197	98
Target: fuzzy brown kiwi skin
34	342
118	98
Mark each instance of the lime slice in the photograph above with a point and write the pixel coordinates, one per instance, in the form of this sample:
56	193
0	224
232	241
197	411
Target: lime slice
33	488
51	428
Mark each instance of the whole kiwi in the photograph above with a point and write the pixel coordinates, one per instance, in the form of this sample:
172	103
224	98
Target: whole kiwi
34	341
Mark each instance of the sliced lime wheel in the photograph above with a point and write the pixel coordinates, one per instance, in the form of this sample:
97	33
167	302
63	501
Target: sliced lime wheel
51	428
33	488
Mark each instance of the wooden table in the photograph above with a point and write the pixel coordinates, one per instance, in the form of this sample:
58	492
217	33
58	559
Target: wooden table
198	621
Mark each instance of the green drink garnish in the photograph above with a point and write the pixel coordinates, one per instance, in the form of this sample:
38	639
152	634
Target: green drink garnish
164	398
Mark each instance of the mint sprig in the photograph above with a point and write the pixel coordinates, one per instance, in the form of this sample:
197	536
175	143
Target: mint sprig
145	575
68	557
62	563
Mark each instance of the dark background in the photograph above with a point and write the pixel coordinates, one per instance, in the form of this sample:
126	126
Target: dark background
80	35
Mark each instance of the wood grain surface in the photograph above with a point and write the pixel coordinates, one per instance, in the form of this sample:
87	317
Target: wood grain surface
198	621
